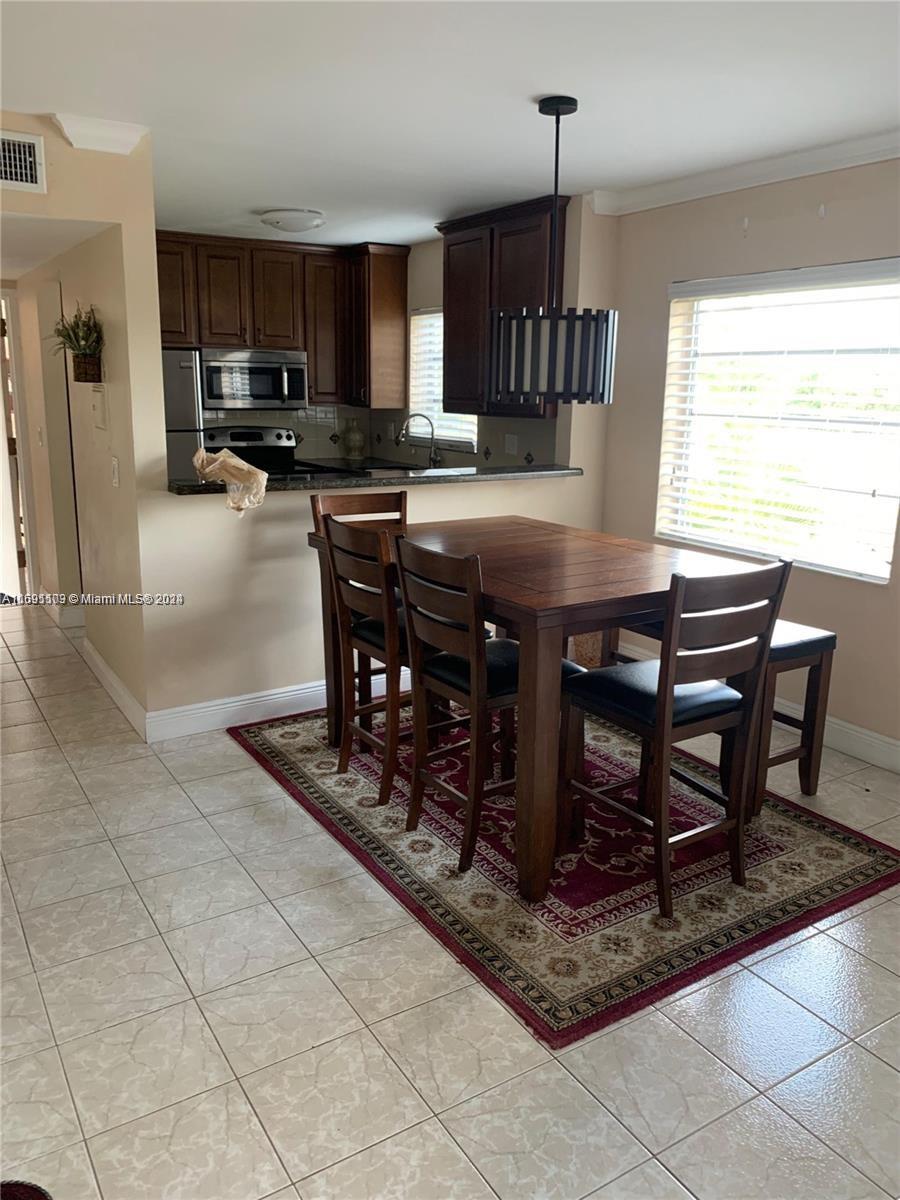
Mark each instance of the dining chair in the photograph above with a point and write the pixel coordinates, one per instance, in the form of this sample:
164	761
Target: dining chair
716	628
364	586
385	510
451	658
794	647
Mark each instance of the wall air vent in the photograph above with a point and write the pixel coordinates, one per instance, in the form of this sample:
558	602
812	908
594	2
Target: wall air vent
22	162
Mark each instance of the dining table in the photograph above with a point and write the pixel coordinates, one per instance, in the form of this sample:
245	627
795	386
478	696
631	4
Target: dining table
546	582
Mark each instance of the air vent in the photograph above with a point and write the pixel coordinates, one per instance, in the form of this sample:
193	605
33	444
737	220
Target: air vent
22	162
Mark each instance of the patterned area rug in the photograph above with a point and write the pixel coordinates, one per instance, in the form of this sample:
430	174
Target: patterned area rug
596	949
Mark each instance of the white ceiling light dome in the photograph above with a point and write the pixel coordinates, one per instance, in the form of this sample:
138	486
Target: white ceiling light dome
293	220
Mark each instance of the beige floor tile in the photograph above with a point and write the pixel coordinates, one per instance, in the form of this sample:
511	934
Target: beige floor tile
92	726
115	779
120	1074
34	765
16	738
12	693
113	748
65	875
37	1112
22	1018
844	988
139	811
9	672
70	929
885	1042
850	1101
458	1045
296	866
842	800
14	957
394	971
759	1153
836	764
115	985
877	779
34	634
846	914
194	741
235	789
874	933
210	1147
336	914
67	677
198	893
332	1101
72	704
67	665
46	833
421	1163
754	1028
24	799
887	832
199	762
658	1082
277	1015
66	1174
21	712
542	1136
649	1181
237	946
696	987
263	825
43	647
782	944
171	848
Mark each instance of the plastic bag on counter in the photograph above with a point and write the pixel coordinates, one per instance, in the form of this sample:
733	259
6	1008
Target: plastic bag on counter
245	486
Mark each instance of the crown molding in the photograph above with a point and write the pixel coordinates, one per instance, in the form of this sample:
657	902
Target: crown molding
91	133
854	153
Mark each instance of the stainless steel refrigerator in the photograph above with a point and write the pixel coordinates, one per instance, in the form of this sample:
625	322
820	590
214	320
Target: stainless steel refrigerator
184	410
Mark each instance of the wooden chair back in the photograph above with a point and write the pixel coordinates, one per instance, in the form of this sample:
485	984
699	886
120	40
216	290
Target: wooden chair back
383	508
442	597
363	577
720	627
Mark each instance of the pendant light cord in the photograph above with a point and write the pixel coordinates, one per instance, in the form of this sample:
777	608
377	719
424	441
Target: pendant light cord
554	225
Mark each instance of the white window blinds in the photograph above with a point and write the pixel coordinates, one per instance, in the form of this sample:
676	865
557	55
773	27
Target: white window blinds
426	384
781	432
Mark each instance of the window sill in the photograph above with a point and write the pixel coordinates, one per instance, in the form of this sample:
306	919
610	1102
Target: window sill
755	556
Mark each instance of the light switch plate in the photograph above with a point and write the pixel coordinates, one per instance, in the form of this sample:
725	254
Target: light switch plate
510	443
99	406
115	472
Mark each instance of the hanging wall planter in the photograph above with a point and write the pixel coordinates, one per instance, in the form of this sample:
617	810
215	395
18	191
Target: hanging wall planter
82	335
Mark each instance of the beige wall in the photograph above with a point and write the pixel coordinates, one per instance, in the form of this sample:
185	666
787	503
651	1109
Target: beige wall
706	238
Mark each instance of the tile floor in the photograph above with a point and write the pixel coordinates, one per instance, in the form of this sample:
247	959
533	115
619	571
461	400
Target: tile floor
205	998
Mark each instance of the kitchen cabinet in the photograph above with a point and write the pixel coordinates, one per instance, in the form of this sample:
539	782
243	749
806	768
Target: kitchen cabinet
277	299
176	268
326	306
494	259
378	327
223	288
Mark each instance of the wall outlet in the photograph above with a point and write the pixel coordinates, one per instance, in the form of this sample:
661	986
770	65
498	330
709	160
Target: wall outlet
510	443
115	472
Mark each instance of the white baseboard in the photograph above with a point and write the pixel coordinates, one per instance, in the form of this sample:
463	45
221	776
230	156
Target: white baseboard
870	747
66	616
116	688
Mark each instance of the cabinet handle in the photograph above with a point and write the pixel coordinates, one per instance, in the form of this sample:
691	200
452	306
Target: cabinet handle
362	395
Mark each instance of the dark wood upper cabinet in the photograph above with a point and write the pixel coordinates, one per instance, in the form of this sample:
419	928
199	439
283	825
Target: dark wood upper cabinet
379	327
467	282
223	286
326	308
277	299
495	259
177	273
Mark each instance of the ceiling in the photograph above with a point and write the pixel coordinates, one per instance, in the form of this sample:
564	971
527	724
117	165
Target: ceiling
391	116
30	241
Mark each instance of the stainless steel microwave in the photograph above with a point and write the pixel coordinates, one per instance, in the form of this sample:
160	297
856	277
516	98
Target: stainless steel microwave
262	379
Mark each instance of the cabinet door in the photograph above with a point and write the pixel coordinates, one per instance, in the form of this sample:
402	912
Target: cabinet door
223	284
177	273
358	326
521	263
278	299
388	322
467	269
326	318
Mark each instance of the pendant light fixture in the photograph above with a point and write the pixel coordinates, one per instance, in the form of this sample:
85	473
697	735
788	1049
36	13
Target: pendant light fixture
551	356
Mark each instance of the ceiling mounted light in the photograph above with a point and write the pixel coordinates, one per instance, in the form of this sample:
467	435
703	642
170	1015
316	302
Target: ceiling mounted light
293	220
551	356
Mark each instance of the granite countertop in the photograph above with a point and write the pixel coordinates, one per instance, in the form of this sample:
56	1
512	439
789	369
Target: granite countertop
337	473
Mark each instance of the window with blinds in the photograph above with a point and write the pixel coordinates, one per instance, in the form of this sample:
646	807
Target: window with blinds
455	431
781	432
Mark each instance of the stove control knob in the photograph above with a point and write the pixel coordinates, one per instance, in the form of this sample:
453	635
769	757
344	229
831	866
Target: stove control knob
278	437
210	437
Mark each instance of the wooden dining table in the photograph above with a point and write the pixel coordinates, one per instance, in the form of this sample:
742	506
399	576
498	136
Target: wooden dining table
549	582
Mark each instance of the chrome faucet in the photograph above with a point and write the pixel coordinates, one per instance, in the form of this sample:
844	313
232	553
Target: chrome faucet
434	459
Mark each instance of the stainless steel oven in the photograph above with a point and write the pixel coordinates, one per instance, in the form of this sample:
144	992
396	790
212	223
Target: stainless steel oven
258	379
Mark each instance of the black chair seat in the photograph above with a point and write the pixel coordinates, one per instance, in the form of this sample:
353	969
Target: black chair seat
630	690
789	640
371	630
502	661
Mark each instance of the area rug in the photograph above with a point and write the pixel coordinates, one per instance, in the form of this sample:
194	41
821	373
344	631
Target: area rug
596	949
